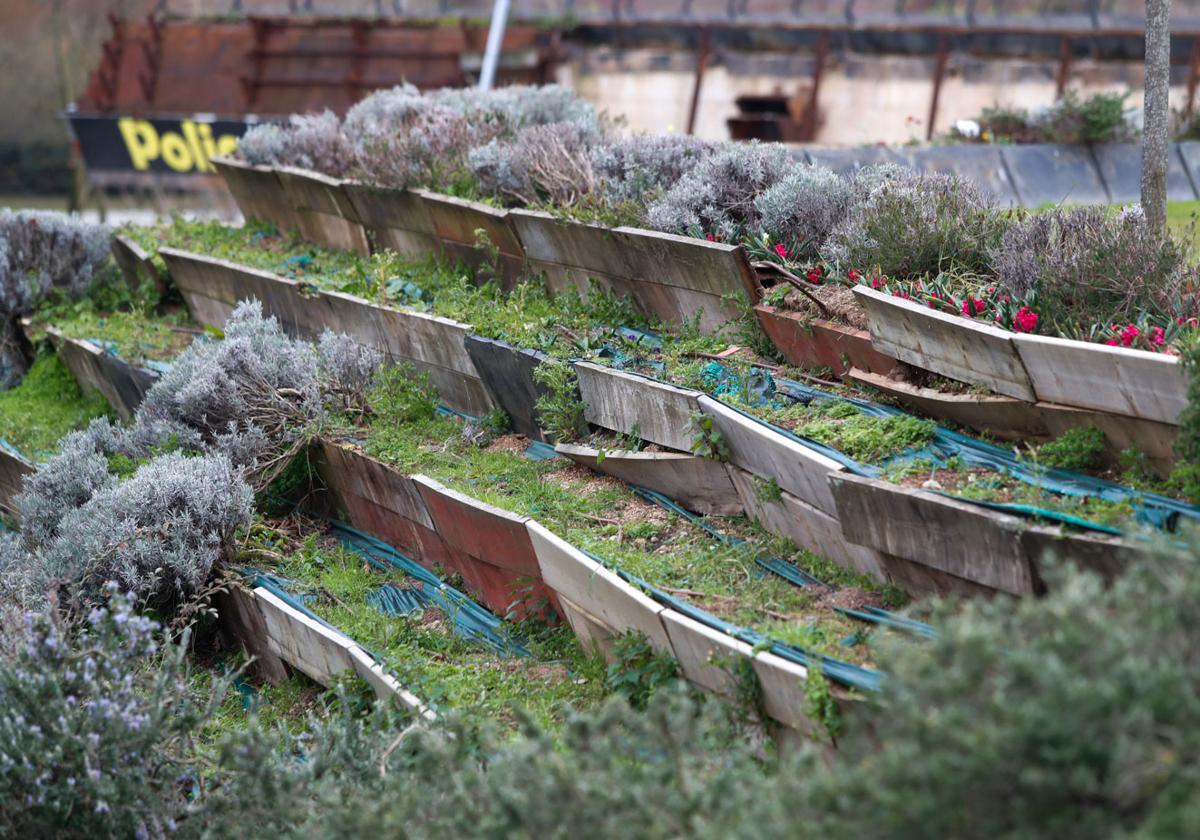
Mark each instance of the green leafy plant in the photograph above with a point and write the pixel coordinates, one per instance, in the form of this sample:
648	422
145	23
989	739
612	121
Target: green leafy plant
637	670
707	440
819	703
559	407
767	489
1080	448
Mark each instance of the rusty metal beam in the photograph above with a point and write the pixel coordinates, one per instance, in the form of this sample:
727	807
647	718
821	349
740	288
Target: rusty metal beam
1064	67
939	73
701	61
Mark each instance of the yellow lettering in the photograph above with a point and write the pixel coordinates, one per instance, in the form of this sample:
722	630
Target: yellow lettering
175	152
227	144
210	147
193	140
141	141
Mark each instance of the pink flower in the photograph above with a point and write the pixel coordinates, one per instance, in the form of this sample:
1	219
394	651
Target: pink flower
710	237
1129	335
979	305
780	250
972	307
1157	336
966	308
1112	342
1025	320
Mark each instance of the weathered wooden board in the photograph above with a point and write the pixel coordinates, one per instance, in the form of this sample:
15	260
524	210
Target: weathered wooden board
807	527
782	683
1004	417
241	624
507	372
1155	440
595	589
1107	556
674	278
952	346
324	210
123	385
945	534
592	633
497	555
432	344
919	579
698	484
634	405
812	342
354	472
135	264
706	656
398	220
258	192
385	686
1118	380
305	644
758	448
13	469
458	220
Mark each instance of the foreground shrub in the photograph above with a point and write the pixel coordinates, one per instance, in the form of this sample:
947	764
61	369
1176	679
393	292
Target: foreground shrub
96	728
909	224
1087	265
717	195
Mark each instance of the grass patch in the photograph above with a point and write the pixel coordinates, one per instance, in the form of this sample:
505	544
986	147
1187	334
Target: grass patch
45	406
137	336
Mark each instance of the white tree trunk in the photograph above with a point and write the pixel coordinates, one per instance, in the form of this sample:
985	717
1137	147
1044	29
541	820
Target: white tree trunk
1156	140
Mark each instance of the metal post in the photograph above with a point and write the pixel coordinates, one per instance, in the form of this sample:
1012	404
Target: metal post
491	57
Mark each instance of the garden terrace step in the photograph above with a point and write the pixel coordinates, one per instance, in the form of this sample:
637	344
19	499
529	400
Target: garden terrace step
435	345
135	264
1011	419
437	526
456	222
323	209
672	278
123	385
1035	368
397	220
630	404
507	372
320	651
954	546
699	484
809	342
258	192
955	347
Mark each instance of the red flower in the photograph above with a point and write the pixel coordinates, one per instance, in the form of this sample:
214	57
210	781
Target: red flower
1157	336
974	304
1025	320
853	275
710	237
966	308
1129	335
1112	342
780	250
814	275
979	305
876	282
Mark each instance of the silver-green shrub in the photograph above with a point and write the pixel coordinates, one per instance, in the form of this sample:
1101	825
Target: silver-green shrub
803	208
910	224
717	195
639	167
540	164
308	141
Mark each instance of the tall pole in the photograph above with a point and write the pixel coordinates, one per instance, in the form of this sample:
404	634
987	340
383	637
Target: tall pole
1155	139
491	57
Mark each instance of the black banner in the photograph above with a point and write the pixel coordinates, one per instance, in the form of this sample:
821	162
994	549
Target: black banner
178	146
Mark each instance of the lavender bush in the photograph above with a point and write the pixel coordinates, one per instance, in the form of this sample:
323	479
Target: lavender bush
717	195
41	252
309	141
644	165
541	164
803	208
1088	265
910	224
